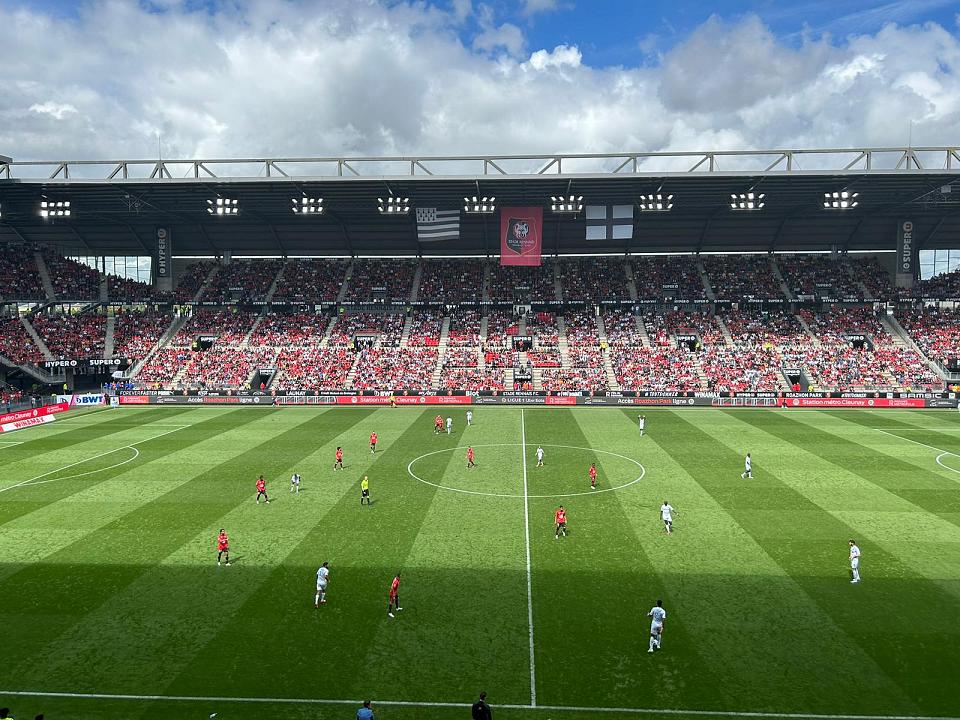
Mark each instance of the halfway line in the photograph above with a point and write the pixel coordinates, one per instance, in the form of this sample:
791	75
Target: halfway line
526	529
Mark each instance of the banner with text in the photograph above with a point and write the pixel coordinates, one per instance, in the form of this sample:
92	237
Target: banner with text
906	252
521	235
164	251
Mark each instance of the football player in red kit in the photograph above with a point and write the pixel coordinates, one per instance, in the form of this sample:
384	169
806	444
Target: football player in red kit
394	601
560	518
223	546
338	463
470	462
373	442
593	476
437	425
262	490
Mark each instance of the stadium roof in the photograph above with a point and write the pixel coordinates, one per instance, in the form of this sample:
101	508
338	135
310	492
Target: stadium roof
116	206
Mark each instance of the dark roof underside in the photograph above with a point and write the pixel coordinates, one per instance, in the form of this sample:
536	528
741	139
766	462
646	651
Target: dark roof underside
121	218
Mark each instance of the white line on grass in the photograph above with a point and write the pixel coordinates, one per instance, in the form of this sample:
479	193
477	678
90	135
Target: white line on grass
943	453
404	703
526	530
131	446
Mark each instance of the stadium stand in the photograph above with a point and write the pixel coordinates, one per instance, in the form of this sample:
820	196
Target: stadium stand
19	280
935	331
667	276
525	284
71	280
734	277
137	332
72	336
393	278
451	281
191	280
594	279
16	344
311	280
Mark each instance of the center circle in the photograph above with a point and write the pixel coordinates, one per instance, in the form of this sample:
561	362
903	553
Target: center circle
643	472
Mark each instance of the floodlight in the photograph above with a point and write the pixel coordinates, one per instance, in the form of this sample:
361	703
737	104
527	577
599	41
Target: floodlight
307	206
479	205
54	208
842	200
223	206
656	202
394	205
746	201
568	204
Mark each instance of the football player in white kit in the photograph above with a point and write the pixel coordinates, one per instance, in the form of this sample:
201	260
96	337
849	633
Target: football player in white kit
295	483
469	418
657	615
539	456
643	424
323	575
666	514
449	425
747	468
854	561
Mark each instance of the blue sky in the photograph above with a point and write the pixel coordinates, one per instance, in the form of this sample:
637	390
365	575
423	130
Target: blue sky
632	32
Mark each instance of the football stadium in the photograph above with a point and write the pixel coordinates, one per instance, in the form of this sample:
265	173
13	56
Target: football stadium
551	436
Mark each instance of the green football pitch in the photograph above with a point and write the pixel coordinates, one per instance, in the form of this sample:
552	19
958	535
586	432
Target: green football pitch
112	604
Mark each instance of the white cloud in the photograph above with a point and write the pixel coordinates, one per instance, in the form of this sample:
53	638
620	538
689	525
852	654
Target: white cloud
54	110
531	7
366	78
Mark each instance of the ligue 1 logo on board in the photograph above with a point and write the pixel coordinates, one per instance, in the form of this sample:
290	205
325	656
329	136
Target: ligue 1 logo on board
519	238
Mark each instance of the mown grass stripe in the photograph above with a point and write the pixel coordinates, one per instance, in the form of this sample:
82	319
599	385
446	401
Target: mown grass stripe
601	572
148	610
363	551
66	590
869	614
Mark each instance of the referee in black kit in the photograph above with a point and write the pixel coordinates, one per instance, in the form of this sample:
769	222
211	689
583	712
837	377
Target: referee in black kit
480	710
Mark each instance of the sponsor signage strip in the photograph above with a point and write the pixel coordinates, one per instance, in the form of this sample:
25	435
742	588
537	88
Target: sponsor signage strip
35	412
28	422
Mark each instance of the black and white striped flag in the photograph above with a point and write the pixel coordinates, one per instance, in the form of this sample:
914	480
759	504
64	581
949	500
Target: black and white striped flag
433	224
609	222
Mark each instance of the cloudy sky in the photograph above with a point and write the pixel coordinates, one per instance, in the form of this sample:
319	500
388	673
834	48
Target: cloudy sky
102	78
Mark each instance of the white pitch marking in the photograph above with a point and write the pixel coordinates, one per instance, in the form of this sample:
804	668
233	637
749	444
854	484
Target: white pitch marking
592	493
943	453
80	462
10	443
413	703
526	530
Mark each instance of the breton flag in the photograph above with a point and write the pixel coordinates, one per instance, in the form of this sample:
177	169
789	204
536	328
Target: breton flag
609	222
433	224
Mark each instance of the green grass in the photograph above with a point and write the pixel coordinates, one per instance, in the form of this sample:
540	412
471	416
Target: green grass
109	583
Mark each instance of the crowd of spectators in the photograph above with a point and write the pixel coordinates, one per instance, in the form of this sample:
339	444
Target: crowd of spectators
819	276
72	337
740	369
243	281
230	325
534	284
19	277
473	379
620	327
501	327
661	369
662	327
163	366
581	328
544	358
16	343
192	278
314	368
136	332
874	276
735	277
70	279
386	329
656	276
945	286
225	367
543	327
935	331
451	281
465	326
311	280
573	379
290	329
395	276
130	290
594	279
425	329
400	368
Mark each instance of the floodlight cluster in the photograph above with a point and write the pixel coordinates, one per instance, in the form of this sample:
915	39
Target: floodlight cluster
479	205
54	208
568	204
394	205
746	201
656	202
307	206
842	200
223	206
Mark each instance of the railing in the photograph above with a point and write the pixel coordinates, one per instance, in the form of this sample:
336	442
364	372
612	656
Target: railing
826	160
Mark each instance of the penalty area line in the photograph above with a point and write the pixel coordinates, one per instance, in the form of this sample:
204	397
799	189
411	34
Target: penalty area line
464	705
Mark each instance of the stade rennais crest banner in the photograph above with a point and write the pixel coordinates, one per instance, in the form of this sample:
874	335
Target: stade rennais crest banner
521	235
